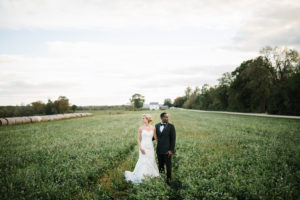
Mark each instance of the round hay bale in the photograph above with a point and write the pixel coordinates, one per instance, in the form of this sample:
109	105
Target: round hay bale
66	116
51	117
26	120
36	119
56	117
62	116
10	120
59	116
3	122
18	120
44	118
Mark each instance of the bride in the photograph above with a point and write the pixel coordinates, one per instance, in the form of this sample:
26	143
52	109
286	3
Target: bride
146	165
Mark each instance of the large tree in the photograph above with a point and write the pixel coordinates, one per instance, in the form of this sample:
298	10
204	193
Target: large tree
168	102
137	100
62	104
193	98
285	89
282	59
250	90
179	101
38	107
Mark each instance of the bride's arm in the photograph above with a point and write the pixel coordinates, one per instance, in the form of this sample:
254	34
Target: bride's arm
154	134
139	141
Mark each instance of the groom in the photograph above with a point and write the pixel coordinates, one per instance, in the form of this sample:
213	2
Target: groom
166	136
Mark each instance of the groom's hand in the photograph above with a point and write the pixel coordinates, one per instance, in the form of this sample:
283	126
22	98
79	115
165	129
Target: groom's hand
170	153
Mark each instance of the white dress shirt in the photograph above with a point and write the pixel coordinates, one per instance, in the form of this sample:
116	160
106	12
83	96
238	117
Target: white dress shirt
161	127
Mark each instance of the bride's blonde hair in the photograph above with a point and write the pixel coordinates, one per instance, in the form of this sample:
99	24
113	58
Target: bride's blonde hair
148	117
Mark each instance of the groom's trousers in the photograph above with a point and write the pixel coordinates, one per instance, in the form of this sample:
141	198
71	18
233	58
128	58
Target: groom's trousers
162	160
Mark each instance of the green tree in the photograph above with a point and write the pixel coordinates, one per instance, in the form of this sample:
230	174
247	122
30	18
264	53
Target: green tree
205	97
50	108
285	89
250	90
193	100
282	59
74	107
168	102
62	104
38	107
188	92
137	100
179	101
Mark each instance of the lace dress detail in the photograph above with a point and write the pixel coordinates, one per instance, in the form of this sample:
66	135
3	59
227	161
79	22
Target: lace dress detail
146	164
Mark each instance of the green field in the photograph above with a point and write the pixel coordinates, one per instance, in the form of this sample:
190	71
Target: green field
218	156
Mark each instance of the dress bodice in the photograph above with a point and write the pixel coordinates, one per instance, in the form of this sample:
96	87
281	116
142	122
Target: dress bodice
147	138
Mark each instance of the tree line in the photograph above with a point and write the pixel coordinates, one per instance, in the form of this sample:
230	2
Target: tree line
61	105
269	83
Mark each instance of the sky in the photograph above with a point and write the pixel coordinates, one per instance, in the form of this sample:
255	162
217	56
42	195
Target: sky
101	52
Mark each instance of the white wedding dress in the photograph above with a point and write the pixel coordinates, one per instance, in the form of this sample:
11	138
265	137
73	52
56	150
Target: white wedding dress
146	164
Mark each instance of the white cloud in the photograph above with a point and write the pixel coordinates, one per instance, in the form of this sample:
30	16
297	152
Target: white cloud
108	74
275	23
194	42
79	14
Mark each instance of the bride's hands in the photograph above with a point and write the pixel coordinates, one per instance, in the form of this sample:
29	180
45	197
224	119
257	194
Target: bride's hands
143	151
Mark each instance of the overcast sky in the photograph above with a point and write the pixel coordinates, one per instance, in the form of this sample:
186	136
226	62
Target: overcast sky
99	52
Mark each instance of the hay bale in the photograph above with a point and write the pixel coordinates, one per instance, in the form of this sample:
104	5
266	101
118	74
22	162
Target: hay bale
57	117
10	120
66	116
36	119
54	117
77	115
26	120
18	120
62	116
3	122
33	119
44	118
49	117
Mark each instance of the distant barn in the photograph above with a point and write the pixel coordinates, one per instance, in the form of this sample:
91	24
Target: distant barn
153	106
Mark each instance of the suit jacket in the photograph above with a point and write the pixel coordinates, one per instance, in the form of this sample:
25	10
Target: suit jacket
166	138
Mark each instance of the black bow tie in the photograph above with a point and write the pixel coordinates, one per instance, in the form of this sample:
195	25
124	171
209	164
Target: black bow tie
163	124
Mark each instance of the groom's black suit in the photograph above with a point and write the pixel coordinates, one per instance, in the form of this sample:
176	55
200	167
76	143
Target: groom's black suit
166	142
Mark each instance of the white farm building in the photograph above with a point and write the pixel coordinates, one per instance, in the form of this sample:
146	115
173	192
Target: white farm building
153	106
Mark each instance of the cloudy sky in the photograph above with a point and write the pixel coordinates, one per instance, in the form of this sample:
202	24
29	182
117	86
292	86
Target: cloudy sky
100	52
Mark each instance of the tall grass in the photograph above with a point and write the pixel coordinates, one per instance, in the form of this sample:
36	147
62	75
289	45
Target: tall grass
218	156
